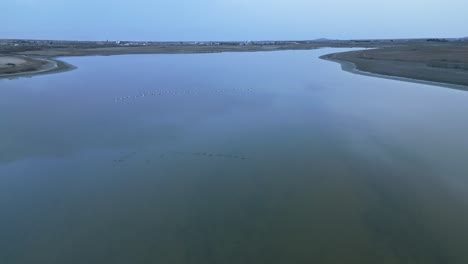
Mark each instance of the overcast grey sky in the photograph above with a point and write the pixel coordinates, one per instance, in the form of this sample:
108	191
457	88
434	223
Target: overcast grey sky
232	20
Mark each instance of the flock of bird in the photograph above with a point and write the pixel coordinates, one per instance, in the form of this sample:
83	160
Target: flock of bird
183	92
213	155
124	157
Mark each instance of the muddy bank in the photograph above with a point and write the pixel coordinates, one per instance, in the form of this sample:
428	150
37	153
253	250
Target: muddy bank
430	64
14	66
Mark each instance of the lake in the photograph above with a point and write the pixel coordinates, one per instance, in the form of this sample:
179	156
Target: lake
268	157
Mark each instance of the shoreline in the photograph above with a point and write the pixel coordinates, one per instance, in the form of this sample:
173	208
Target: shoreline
49	66
351	67
52	49
443	64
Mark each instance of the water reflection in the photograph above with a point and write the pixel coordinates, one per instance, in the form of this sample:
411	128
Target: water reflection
230	158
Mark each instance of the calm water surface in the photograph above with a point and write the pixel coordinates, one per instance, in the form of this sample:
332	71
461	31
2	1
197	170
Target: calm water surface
274	157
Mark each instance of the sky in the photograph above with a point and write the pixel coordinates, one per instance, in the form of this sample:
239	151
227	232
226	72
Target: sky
197	20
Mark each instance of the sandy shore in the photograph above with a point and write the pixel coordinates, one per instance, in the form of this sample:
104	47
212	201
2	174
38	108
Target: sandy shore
351	67
10	62
25	66
443	66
